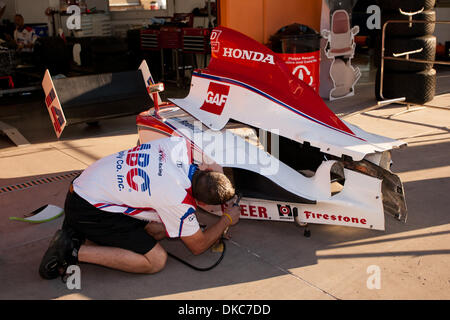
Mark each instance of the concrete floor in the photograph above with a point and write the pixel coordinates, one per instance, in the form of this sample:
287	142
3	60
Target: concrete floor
264	260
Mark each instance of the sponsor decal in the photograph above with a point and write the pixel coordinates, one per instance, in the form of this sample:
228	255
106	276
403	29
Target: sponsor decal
145	186
285	212
58	117
216	98
138	161
252	211
190	126
50	97
304	66
333	217
190	215
214	40
162	159
119	165
248	55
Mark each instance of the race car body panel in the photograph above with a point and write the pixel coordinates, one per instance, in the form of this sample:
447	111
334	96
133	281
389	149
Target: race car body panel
247	82
53	105
299	198
288	154
247	93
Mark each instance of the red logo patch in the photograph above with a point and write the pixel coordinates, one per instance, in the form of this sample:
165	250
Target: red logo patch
214	40
216	98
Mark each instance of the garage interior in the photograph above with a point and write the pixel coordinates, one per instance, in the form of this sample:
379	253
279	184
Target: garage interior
274	259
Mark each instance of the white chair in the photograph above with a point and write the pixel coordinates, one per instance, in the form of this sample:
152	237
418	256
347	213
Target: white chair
340	48
341	39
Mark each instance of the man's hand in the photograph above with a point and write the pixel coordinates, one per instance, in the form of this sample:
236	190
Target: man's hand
200	241
233	210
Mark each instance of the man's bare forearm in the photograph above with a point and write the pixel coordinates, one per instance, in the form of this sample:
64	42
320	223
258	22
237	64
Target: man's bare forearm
203	240
200	241
213	233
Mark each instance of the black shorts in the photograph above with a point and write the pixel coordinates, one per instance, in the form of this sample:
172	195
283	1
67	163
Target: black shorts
106	228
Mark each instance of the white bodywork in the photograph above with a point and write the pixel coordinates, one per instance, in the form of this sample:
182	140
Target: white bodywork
262	111
53	105
358	204
148	79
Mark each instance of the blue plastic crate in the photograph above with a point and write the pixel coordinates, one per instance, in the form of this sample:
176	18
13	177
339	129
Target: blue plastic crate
41	30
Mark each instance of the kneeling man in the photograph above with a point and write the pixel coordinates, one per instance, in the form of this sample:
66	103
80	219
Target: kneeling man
120	206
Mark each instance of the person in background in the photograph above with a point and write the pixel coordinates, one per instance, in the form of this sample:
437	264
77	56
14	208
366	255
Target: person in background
2	8
24	36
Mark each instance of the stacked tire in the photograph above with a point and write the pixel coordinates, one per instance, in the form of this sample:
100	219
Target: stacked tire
415	81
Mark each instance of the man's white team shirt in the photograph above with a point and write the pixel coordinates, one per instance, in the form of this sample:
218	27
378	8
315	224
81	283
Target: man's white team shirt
25	37
149	182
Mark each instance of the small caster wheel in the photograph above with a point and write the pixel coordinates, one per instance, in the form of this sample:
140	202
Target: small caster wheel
307	233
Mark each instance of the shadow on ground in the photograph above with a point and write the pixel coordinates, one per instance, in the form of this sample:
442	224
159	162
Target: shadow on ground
257	250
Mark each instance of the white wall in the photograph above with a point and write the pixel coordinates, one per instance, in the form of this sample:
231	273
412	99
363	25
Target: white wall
99	4
140	17
442	31
186	6
10	10
33	10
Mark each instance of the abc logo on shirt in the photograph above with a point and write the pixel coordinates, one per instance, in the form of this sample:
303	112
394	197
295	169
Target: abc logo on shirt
138	161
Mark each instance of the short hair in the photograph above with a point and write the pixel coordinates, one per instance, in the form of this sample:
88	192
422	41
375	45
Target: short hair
212	187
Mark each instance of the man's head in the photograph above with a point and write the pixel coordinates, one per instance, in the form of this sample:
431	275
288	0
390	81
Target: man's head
211	187
18	20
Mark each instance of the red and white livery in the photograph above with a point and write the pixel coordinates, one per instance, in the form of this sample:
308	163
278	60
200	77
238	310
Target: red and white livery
150	182
288	154
246	92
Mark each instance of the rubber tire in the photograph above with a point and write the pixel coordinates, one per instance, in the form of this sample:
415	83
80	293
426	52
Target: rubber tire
403	29
419	87
397	45
407	5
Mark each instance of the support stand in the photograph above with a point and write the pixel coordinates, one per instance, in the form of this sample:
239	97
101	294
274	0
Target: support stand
399	57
